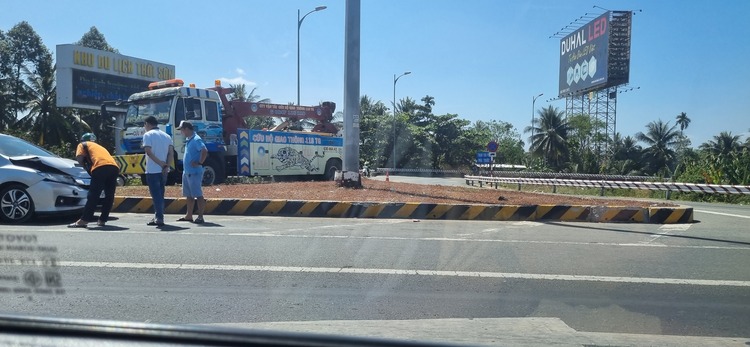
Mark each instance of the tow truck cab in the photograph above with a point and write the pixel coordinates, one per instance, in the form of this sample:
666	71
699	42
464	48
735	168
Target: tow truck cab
170	102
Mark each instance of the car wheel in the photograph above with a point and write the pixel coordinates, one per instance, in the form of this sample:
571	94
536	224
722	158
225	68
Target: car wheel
121	180
16	205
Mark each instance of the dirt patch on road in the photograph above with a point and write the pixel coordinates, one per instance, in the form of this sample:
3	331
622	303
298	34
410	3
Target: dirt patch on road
379	191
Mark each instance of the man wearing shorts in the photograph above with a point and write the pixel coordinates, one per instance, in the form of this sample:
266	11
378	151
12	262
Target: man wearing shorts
192	173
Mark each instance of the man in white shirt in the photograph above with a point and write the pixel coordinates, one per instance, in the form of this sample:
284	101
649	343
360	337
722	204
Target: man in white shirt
159	155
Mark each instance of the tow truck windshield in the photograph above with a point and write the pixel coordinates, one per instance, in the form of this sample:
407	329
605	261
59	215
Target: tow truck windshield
138	111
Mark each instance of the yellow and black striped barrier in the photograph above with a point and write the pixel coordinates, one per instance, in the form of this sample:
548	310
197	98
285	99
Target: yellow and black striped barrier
297	208
131	164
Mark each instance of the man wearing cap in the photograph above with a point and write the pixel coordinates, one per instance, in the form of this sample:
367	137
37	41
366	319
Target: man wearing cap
192	174
104	171
159	153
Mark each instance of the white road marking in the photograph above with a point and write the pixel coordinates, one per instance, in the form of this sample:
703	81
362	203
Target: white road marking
723	214
675	227
400	238
668	228
408	272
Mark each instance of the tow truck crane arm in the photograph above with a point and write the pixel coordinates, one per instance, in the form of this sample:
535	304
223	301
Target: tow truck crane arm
235	112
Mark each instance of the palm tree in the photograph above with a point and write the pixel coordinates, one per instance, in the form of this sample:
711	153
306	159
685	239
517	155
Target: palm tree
723	144
48	125
252	97
240	93
660	139
550	138
683	121
428	101
368	107
407	105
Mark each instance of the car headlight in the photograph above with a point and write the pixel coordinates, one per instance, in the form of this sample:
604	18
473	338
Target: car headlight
83	181
67	179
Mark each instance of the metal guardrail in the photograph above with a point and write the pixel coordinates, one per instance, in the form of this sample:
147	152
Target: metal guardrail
603	184
563	175
384	170
521	174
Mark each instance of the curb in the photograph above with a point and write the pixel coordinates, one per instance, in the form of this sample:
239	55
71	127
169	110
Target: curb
396	210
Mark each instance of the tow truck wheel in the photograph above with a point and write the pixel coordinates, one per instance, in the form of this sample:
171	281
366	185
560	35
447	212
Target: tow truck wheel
213	171
121	180
209	175
332	166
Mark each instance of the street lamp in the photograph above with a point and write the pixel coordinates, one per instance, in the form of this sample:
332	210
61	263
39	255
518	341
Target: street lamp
395	79
299	25
533	118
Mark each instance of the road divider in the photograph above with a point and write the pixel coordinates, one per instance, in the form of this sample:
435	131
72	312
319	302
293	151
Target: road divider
414	210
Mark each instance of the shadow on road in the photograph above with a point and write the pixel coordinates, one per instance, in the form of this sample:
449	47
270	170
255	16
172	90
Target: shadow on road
167	227
650	233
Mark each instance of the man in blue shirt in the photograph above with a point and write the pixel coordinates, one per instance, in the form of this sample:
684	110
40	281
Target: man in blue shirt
192	174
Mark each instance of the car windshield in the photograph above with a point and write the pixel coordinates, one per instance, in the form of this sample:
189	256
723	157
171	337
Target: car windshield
15	147
141	109
477	172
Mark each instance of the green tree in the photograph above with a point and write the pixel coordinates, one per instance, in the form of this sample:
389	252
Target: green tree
95	39
584	136
550	137
25	50
660	139
6	94
376	133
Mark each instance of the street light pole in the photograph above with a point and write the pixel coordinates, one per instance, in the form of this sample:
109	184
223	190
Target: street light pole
533	118
299	25
395	79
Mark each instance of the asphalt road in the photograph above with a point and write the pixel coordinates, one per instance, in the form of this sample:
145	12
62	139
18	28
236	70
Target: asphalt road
690	279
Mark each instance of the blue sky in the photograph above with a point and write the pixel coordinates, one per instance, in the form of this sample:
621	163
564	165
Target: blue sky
480	59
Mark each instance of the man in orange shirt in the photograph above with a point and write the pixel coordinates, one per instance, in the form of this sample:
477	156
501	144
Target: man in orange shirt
104	171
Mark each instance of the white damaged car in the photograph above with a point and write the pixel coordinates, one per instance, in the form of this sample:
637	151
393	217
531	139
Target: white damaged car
34	181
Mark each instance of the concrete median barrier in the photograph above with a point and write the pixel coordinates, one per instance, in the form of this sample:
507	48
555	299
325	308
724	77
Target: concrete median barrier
428	211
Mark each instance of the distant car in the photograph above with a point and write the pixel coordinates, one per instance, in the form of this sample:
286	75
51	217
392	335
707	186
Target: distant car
34	181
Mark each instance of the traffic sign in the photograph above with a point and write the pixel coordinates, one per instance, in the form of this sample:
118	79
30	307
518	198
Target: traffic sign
484	158
492	146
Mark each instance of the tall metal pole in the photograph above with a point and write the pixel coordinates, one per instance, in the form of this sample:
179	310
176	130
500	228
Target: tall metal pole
351	177
395	79
533	117
299	25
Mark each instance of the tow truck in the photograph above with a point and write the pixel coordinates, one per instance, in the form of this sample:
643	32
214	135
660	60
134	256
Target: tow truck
220	121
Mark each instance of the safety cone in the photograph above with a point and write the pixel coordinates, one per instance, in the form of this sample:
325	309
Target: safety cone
387	176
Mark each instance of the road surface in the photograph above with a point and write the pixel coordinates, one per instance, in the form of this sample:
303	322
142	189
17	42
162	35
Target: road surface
688	279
